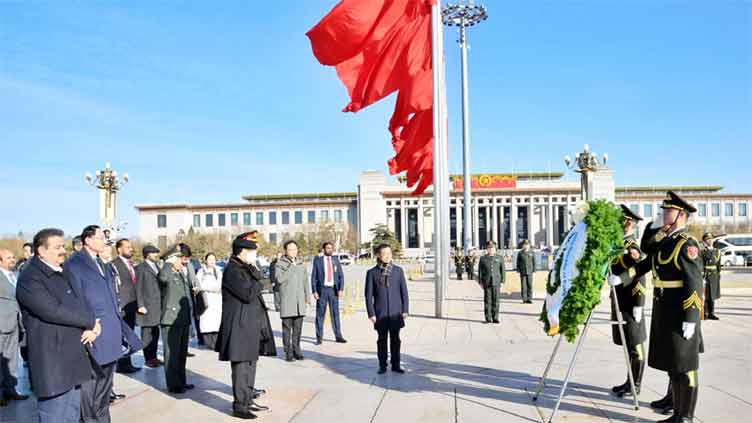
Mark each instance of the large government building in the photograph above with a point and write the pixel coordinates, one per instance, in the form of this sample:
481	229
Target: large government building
506	208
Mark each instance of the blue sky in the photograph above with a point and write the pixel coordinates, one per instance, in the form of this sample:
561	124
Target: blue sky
207	101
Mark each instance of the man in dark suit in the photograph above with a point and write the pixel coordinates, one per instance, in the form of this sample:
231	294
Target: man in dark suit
149	303
387	305
88	272
126	291
59	324
327	284
11	329
176	319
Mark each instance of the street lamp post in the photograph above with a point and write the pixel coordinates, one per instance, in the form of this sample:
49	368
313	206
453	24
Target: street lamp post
108	182
463	15
585	163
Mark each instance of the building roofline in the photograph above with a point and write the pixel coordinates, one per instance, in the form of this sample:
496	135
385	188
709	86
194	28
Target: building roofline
316	195
670	188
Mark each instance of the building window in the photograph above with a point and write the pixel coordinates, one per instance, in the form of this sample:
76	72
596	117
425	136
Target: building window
648	210
234	219
209	220
635	208
259	218
221	219
743	209
246	219
715	209
272	218
196	220
161	220
162	242
273	238
298	217
311	216
338	216
702	209
285	217
324	215
729	209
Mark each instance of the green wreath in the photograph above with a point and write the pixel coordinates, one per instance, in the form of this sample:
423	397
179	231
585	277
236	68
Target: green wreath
604	242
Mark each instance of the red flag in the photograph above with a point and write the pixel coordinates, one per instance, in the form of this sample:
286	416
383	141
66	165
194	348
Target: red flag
379	47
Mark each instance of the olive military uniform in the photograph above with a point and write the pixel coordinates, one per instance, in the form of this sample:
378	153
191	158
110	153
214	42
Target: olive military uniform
491	277
677	270
711	258
459	262
526	269
630	294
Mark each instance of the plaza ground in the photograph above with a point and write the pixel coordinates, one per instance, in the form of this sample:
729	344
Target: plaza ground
458	369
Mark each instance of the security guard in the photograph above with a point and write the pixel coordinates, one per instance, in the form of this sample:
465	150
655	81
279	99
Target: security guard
675	331
712	259
459	262
631	296
491	277
526	269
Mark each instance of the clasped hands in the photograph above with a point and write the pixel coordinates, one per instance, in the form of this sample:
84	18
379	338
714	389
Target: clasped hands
89	335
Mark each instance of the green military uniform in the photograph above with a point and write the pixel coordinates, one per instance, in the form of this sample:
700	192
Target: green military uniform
491	277
677	270
176	321
630	293
470	261
459	262
711	258
526	269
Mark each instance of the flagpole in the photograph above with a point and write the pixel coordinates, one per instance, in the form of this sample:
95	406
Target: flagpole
440	164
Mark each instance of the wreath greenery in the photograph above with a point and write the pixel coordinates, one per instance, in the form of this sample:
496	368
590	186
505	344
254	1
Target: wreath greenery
604	242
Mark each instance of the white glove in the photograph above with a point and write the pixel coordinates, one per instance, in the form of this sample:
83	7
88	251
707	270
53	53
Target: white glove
614	280
704	282
637	314
688	329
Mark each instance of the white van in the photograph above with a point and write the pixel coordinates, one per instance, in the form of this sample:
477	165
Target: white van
734	249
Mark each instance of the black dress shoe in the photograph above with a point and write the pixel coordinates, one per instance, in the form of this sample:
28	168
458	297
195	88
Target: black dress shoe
318	342
713	317
382	370
245	415
190	354
259	391
117	396
298	357
496	321
289	358
177	390
258	407
621	388
342	340
189	386
399	370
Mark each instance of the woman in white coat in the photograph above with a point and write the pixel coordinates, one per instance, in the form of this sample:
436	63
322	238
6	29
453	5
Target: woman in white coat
210	284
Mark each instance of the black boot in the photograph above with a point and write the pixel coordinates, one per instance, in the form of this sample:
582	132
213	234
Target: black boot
676	390
638	367
688	399
665	404
620	389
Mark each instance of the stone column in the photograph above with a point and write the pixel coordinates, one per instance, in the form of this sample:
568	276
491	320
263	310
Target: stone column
421	234
513	223
530	229
403	217
494	221
458	226
475	222
550	222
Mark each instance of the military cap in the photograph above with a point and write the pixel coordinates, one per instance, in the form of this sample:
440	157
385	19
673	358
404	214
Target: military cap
172	252
246	240
673	201
490	244
149	249
629	214
707	235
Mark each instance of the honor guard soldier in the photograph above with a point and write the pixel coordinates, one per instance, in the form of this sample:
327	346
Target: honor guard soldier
630	293
712	259
491	277
675	331
459	262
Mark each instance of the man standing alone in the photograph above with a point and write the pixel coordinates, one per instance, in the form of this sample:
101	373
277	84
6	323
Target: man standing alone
327	284
526	269
491	277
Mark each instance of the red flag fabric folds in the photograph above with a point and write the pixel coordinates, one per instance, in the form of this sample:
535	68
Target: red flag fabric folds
380	47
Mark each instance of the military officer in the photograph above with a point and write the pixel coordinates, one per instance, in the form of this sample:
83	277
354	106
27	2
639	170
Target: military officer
526	269
630	293
491	277
459	262
675	331
175	290
712	260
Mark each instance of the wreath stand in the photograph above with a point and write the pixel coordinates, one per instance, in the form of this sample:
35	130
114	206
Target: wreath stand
620	323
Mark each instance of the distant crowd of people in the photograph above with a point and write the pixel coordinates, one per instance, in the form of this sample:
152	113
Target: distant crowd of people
73	317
